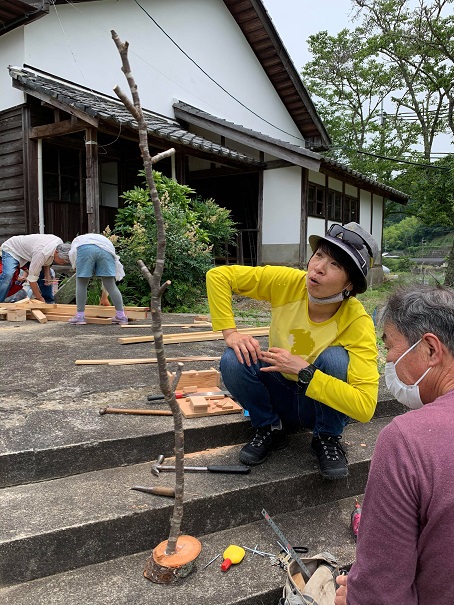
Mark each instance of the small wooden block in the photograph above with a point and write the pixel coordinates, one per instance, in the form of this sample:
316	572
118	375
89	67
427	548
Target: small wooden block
16	315
190	389
39	315
204	379
212	408
198	404
200	318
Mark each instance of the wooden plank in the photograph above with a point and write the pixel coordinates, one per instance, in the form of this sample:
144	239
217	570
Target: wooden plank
102	311
122	362
197	325
39	315
89	320
194	337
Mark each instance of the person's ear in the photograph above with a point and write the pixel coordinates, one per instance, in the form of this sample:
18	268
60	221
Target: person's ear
435	349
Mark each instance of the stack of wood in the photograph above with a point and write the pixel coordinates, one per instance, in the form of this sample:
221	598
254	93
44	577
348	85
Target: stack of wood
42	312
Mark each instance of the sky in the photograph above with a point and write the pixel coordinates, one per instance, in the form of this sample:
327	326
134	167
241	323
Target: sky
296	20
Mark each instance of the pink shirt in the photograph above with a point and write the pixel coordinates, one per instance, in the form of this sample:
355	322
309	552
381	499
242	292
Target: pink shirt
406	535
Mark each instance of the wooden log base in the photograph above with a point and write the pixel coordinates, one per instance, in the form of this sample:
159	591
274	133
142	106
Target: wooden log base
167	569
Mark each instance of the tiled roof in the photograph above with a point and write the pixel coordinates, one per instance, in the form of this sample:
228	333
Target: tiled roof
109	109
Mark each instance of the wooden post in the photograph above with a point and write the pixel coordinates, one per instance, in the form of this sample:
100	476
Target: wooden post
92	180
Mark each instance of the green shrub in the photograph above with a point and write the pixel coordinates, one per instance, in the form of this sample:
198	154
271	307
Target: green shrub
196	230
399	265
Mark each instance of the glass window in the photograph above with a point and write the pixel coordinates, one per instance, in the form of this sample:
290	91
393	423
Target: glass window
334	205
109	184
351	210
61	174
316	200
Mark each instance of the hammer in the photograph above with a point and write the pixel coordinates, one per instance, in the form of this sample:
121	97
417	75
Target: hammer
103	411
239	470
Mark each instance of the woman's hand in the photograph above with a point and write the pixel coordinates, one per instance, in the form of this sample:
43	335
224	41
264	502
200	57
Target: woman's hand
246	347
280	360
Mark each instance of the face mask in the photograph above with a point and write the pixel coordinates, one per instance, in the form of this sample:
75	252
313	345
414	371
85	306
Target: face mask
406	394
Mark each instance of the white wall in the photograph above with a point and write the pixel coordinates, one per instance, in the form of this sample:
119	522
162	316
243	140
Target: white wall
365	209
74	42
11	53
377	224
281	206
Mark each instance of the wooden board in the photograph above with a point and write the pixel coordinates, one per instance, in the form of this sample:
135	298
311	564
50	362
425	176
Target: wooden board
197	325
39	315
16	315
89	320
194	337
120	362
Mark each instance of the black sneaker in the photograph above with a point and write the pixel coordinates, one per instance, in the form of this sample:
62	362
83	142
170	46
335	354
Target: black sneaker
261	446
331	456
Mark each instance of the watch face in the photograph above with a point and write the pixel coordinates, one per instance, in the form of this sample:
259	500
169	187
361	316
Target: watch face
305	375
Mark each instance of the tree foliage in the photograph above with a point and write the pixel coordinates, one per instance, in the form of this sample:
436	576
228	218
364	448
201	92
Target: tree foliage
402	55
196	230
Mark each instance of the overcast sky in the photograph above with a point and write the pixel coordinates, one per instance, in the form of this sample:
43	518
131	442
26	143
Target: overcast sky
296	20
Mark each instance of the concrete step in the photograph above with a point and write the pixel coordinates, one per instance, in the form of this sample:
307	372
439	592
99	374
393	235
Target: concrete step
54	443
325	527
62	524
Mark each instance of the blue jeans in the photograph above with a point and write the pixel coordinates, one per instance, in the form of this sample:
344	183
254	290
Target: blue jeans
10	265
269	397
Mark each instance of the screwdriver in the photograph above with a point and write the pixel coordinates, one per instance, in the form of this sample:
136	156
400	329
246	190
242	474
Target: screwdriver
355	519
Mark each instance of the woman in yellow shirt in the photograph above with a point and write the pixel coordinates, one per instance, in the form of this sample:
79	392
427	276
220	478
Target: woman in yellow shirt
321	367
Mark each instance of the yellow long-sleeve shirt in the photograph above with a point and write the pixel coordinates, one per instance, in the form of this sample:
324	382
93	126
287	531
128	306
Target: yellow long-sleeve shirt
292	329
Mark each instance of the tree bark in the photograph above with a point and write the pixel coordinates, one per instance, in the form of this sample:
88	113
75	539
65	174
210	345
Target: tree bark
157	289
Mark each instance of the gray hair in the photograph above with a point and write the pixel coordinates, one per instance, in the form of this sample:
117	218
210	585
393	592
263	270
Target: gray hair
63	251
415	310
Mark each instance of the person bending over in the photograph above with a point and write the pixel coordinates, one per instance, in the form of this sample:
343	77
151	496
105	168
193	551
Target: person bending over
321	367
93	254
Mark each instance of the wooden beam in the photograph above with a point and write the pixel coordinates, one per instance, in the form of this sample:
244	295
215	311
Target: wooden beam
199	324
194	337
57	129
39	315
92	179
123	362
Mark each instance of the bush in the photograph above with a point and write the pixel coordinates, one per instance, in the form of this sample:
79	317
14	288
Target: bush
195	230
399	265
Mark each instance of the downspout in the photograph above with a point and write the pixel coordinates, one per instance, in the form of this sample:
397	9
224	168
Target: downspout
40	187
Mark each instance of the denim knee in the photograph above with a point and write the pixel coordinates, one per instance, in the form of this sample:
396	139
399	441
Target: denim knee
334	362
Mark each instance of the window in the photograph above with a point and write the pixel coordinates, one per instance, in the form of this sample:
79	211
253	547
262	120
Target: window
316	200
350	210
334	206
61	168
109	184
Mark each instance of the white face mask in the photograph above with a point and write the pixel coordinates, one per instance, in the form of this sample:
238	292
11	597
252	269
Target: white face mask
406	394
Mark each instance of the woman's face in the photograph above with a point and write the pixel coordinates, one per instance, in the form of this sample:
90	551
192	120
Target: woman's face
325	276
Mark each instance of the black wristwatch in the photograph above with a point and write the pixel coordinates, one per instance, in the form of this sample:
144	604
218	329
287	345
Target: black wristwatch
305	375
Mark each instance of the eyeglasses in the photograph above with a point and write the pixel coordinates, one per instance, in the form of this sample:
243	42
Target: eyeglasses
349	237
